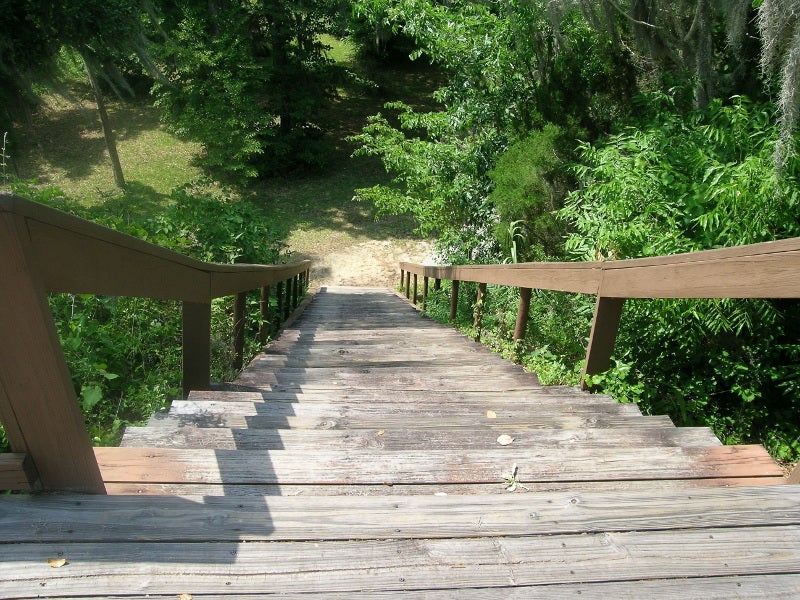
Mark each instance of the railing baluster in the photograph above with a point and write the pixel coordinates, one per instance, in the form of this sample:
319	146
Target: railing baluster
239	319
287	305
196	346
479	301
454	300
263	305
402	277
437	284
607	314
523	312
415	290
279	297
424	292
296	291
408	284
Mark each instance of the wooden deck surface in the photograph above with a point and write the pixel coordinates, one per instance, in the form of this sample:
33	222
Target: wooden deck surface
359	457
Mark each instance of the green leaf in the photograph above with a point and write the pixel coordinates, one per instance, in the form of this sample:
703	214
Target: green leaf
91	396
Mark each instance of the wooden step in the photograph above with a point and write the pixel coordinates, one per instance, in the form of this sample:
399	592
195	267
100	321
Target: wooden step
154	465
408	438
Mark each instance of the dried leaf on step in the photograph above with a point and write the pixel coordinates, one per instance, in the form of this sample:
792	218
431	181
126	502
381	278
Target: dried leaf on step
505	440
56	562
381	432
185	597
490	414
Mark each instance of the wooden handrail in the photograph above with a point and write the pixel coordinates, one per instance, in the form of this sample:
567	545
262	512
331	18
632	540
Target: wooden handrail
764	270
45	250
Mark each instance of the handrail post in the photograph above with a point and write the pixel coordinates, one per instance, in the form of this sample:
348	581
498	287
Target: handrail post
263	305
287	305
425	281
521	326
239	318
479	301
437	284
408	284
607	314
296	291
196	346
454	300
414	301
402	277
38	394
279	297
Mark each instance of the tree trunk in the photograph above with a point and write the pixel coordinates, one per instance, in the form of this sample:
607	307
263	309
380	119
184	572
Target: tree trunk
108	133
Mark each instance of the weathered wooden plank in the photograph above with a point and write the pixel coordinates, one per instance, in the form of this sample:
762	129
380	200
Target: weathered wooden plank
422	421
555	394
217	519
154	465
409	438
498	489
748	587
426	409
394	565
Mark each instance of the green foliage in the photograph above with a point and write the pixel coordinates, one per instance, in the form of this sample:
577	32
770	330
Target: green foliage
688	182
249	81
529	186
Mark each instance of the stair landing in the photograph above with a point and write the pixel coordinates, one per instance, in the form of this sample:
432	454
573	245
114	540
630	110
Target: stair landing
370	451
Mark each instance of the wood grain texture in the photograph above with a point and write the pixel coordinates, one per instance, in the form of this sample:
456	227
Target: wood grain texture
430	466
396	565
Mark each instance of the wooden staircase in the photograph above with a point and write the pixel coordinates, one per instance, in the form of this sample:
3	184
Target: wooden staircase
370	451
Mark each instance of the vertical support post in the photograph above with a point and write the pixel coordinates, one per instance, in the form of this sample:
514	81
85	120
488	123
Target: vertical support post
479	301
239	318
287	305
454	299
605	325
425	281
263	305
296	291
402	277
437	284
408	284
279	297
196	346
37	388
523	312
415	290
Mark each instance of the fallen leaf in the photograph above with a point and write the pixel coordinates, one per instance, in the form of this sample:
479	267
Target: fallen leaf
381	432
505	440
185	597
490	414
56	562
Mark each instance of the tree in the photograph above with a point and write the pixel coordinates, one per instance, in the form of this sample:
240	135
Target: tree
103	33
248	80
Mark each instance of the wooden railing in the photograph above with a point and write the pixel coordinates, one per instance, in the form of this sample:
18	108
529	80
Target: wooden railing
766	270
45	250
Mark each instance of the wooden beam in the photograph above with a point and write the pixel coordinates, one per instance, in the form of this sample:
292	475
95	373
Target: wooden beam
17	473
521	326
414	300
37	384
425	281
196	346
607	314
408	284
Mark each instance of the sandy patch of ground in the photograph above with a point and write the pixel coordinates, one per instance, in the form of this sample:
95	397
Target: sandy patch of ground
342	260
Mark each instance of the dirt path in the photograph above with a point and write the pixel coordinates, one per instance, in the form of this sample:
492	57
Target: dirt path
341	259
